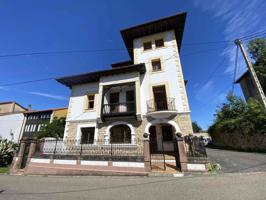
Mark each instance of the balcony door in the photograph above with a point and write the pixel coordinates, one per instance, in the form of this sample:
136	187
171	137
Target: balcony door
160	98
114	102
130	98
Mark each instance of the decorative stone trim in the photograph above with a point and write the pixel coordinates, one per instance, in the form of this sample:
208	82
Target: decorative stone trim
107	133
38	160
65	162
196	167
128	164
94	163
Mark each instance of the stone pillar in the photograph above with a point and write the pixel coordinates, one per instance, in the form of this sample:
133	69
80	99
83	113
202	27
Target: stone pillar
147	155
138	97
99	103
182	153
31	150
18	159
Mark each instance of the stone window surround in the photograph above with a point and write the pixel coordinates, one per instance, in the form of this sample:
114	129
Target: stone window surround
162	121
107	133
88	125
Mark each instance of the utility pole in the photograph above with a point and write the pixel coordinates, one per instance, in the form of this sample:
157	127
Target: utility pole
252	73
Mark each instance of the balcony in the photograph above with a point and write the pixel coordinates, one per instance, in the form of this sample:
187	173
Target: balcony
161	108
119	109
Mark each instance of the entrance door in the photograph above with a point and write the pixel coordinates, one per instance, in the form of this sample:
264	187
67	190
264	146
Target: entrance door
160	98
153	140
114	102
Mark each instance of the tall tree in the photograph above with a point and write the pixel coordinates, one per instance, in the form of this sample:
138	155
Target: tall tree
257	50
196	127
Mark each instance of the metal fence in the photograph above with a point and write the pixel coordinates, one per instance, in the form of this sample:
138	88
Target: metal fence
195	148
97	148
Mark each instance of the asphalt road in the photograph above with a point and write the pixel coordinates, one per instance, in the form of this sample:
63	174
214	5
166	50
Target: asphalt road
216	187
233	161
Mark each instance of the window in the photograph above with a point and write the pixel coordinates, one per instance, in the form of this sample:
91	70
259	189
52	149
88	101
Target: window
39	127
120	134
87	135
26	128
90	101
147	45
159	43
156	65
33	128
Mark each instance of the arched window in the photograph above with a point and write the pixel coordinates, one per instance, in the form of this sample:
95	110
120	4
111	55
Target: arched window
120	134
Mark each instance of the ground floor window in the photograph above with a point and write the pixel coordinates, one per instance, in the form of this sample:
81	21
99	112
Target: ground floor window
87	135
120	134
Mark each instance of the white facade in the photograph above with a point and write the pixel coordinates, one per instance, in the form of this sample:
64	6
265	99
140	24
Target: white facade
11	126
170	76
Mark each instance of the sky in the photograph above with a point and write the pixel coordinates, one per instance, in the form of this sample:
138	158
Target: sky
31	26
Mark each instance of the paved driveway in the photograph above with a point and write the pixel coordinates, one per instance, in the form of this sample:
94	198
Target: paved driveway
216	187
234	161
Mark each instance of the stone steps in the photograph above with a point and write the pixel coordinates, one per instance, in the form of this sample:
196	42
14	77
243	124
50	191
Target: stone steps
157	163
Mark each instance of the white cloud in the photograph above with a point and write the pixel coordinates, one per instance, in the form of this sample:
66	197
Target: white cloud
241	18
52	96
204	91
3	88
208	94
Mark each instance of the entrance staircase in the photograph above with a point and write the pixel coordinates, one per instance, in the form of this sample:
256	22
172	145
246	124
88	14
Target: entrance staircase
164	163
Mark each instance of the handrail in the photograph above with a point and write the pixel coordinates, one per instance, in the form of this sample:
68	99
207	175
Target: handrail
123	107
161	104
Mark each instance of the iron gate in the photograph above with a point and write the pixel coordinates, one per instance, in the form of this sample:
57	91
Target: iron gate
159	156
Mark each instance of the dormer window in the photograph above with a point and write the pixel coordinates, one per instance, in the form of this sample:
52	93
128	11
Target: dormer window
159	43
147	45
156	65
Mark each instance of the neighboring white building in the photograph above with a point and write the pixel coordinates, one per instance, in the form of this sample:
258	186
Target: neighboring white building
11	120
144	95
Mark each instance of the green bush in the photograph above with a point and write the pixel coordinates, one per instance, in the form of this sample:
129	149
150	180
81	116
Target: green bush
54	129
236	116
7	149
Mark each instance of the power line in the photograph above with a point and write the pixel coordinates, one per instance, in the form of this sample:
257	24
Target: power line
256	34
208	50
25	82
101	50
220	64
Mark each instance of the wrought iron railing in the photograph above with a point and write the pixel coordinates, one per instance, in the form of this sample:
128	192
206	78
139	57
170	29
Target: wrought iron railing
119	108
69	147
161	104
195	148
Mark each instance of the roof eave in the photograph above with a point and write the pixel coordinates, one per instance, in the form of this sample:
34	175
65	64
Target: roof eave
69	81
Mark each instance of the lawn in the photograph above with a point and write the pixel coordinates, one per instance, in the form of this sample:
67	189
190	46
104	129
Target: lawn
4	170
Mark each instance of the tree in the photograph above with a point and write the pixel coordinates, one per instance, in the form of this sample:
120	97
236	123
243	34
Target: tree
196	127
257	50
54	129
236	116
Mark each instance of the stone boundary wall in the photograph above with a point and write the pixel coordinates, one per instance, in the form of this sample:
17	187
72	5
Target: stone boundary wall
236	141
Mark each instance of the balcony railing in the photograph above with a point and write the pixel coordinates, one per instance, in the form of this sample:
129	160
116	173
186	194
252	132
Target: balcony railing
113	109
161	105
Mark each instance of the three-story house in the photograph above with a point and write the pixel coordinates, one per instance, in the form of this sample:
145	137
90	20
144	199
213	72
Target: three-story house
145	96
